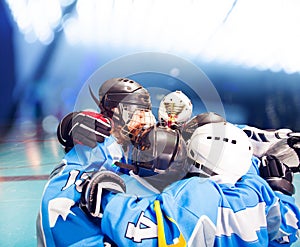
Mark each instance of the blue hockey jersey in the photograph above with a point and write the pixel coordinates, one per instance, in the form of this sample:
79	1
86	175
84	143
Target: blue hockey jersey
61	222
202	212
190	212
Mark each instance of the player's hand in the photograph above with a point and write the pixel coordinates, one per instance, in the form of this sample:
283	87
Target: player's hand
278	175
83	127
93	188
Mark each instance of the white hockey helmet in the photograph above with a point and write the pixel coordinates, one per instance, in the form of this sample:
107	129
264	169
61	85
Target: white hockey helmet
220	149
175	108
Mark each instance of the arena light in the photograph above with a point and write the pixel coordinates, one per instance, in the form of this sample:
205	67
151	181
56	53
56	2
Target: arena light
36	19
261	34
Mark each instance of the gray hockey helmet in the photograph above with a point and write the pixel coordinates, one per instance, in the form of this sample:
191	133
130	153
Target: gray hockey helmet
127	92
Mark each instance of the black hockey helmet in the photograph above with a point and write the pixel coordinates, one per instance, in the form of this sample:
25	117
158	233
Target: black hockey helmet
200	120
127	92
160	150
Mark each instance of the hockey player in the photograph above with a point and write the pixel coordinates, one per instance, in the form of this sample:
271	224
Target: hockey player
119	99
264	193
61	222
276	158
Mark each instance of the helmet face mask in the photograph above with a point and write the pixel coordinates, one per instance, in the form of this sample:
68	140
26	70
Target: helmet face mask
123	113
127	111
128	125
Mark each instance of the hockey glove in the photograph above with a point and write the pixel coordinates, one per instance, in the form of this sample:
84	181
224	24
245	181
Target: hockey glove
278	175
94	187
83	127
294	142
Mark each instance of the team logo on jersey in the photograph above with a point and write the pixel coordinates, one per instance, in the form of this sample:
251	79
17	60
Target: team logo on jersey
145	228
165	229
64	205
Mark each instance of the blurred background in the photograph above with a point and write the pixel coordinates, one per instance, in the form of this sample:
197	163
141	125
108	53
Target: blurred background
248	49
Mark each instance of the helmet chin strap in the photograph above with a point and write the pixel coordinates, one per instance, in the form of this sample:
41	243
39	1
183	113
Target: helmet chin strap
205	169
127	166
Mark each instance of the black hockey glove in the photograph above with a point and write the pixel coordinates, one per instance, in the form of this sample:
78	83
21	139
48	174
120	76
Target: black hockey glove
83	127
278	175
93	188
